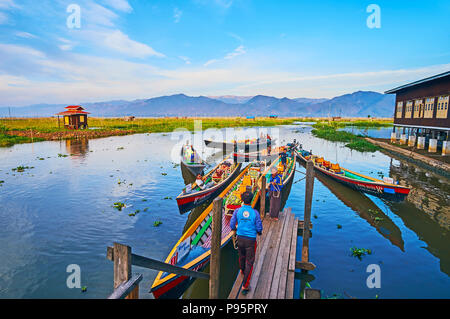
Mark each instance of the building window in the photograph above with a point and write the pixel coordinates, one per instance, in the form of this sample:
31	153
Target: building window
408	111
418	108
399	110
429	106
442	109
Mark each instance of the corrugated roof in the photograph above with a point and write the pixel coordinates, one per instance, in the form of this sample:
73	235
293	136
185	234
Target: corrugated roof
431	78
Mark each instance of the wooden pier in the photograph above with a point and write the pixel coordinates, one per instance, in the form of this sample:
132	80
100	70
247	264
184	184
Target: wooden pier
276	253
274	267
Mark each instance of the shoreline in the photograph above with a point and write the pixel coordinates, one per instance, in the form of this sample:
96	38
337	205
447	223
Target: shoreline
29	130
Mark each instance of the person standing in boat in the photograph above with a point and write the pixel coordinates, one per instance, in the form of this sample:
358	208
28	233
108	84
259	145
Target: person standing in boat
249	225
269	144
283	158
275	186
192	154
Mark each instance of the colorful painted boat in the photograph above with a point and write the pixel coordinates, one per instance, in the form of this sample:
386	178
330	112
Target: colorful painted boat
287	177
251	145
382	188
191	160
193	249
262	155
193	196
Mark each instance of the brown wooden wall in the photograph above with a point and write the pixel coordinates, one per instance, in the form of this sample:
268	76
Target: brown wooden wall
434	88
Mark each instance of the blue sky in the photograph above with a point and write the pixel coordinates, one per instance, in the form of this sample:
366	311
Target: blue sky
145	48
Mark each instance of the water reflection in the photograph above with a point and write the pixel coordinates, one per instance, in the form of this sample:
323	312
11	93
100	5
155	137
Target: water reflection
366	209
77	148
429	193
427	211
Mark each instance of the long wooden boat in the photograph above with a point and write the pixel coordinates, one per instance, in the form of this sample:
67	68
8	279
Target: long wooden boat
287	177
262	155
196	165
193	250
382	188
192	195
251	145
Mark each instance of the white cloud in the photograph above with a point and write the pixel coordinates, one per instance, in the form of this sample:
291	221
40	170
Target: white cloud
177	13
240	50
233	35
25	35
121	5
28	76
185	59
94	15
209	62
120	42
67	45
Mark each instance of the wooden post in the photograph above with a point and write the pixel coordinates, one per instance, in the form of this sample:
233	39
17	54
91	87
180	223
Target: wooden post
216	238
122	268
262	198
305	264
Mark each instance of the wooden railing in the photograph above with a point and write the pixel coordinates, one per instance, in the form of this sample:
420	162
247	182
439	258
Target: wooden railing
126	285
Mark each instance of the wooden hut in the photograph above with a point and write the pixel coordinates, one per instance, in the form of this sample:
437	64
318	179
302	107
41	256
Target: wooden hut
74	117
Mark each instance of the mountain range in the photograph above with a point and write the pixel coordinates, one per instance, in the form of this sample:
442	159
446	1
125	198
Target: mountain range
357	104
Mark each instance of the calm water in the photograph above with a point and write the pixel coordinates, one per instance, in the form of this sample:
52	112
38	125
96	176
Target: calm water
377	132
60	212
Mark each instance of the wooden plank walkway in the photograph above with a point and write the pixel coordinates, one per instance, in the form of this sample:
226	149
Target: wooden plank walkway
275	261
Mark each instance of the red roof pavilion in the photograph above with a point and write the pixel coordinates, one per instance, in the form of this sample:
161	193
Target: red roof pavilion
74	117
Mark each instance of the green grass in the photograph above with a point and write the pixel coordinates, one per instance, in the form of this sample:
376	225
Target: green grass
329	132
9	140
140	125
113	126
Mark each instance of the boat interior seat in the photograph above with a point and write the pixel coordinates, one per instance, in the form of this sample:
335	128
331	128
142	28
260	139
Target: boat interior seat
336	168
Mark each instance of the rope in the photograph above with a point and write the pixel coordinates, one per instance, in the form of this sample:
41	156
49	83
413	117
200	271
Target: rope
299	180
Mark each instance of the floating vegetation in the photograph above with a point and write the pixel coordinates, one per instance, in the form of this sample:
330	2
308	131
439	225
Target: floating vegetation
120	148
83	289
329	132
339	226
360	252
157	223
1	182
144	200
167	197
40	158
119	206
21	168
163	174
132	214
176	165
377	219
315	216
145	209
62	155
